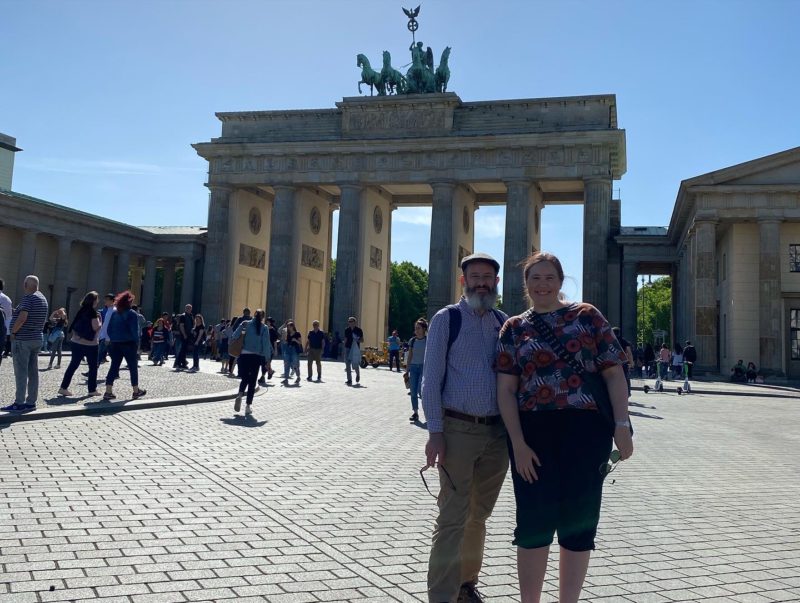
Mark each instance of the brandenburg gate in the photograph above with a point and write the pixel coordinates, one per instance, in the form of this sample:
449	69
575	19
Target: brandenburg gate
276	177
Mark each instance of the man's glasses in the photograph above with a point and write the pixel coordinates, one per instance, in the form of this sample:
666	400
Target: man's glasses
446	474
611	463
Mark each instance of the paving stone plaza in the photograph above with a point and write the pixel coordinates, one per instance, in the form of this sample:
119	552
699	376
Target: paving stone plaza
318	498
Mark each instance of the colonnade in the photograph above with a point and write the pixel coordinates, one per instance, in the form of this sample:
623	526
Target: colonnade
76	266
364	245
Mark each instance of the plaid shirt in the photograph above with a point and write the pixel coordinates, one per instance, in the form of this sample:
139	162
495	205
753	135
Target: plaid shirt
467	372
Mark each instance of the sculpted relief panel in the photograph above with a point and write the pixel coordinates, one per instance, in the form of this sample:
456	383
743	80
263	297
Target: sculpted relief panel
370	122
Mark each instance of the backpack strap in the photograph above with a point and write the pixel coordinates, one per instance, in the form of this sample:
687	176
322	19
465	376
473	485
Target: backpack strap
454	316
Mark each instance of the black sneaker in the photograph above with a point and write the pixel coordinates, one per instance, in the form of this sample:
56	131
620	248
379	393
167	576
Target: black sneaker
469	594
414	418
262	382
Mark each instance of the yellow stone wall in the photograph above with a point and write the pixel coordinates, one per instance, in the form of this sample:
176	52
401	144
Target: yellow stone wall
738	255
248	284
312	285
374	281
462	199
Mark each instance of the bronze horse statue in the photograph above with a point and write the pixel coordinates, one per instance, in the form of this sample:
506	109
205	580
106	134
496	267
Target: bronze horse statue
369	76
392	80
443	72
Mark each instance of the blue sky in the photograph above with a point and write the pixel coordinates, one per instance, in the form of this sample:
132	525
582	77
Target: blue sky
105	98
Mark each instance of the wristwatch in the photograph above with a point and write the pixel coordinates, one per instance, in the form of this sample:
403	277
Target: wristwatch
622	424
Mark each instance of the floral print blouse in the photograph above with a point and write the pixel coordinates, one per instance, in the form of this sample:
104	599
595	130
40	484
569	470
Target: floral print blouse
547	382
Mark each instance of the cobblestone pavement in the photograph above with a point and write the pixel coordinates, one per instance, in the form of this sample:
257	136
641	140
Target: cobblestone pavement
161	382
318	498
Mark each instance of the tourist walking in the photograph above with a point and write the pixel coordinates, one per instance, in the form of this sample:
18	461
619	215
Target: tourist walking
266	369
198	339
689	356
58	331
105	315
677	361
415	363
230	360
255	349
315	343
394	350
291	353
123	335
466	437
27	323
84	330
353	336
559	442
185	325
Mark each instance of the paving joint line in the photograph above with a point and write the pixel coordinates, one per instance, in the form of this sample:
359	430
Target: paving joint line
374	579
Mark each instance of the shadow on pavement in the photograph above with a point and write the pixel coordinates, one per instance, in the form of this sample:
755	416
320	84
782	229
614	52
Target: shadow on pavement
639	405
61	401
644	415
243	421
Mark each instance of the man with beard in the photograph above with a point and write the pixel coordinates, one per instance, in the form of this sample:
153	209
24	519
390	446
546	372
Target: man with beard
466	433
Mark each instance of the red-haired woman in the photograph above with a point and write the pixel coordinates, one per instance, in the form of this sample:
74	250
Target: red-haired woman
559	442
123	331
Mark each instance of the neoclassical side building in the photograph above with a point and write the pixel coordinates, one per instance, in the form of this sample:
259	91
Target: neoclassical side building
733	250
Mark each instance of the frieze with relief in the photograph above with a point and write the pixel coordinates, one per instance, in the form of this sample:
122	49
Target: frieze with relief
312	257
555	156
252	257
375	257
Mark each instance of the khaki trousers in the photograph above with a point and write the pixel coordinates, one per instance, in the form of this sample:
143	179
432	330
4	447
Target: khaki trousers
476	457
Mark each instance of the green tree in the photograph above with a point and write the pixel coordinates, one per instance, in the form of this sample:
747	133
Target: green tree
408	297
654	308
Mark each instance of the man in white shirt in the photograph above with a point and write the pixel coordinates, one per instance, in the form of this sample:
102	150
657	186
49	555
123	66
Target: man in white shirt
7	307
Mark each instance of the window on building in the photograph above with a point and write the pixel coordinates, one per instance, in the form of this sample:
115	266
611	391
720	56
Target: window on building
794	258
794	332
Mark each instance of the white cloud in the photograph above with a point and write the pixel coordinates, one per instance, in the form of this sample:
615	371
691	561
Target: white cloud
413	215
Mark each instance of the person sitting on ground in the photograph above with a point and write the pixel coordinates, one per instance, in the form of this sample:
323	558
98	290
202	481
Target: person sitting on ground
738	373
752	372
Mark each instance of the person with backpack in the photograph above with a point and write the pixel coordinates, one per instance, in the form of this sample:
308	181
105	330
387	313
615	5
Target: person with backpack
123	334
466	436
415	364
84	331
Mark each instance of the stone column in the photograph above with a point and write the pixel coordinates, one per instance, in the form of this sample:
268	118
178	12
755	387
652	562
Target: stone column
326	317
676	327
388	292
187	288
168	290
94	272
629	300
149	290
136	282
123	265
442	259
347	292
27	260
769	297
596	230
280	282
705	304
517	248
216	286
61	279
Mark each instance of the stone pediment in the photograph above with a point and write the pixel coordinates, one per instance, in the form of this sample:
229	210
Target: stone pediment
779	168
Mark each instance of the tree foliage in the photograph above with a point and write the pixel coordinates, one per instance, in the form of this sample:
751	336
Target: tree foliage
653	307
408	297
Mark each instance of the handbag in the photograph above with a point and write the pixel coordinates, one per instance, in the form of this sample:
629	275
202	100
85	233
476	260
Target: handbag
235	345
594	381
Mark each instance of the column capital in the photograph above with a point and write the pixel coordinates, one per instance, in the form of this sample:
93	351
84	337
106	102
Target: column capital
284	189
352	186
769	220
518	182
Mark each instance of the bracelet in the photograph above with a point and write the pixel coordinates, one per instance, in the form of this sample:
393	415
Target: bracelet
622	424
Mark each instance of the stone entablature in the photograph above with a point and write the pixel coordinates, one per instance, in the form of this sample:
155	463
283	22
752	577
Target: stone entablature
416	115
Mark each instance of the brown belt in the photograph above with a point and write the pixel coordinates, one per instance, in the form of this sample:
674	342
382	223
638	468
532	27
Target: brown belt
454	414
